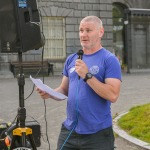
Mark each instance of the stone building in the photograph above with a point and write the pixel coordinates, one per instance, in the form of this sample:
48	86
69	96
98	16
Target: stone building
126	23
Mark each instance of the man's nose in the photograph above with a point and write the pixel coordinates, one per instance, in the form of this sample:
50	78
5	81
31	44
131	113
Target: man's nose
84	33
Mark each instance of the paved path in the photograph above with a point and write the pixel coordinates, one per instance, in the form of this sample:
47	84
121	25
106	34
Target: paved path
135	90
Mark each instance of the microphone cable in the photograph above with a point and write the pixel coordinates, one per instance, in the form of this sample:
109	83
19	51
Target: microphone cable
77	115
45	112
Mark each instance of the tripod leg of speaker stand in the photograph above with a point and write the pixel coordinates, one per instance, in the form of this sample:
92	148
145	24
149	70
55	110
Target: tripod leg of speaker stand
21	131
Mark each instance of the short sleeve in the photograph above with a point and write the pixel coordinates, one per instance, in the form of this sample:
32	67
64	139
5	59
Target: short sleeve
113	68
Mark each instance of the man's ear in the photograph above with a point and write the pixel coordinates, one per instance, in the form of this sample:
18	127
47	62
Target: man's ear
101	32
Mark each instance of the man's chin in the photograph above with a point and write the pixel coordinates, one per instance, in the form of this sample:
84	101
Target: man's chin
85	46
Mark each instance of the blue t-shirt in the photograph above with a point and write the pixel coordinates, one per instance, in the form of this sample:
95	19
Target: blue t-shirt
94	112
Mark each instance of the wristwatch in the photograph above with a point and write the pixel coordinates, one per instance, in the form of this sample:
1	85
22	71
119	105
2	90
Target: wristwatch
88	76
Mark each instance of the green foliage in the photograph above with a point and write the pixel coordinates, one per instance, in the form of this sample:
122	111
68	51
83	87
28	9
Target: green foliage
137	122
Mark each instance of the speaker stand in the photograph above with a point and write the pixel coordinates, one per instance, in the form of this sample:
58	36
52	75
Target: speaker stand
21	132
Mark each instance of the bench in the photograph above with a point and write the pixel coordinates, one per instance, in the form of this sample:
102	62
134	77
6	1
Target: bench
30	66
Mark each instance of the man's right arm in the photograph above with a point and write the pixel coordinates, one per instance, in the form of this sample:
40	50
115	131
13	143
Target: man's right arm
63	88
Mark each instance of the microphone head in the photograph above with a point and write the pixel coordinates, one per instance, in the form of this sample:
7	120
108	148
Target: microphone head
80	52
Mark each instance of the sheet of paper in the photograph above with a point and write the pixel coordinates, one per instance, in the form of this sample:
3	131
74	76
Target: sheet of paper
47	89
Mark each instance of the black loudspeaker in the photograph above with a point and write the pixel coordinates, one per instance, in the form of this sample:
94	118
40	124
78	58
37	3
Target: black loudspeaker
19	26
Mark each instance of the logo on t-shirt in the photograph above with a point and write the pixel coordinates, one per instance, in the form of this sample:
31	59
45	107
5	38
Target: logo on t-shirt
94	70
72	69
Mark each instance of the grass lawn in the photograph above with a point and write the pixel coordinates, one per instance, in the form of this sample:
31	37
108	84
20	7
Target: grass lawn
137	122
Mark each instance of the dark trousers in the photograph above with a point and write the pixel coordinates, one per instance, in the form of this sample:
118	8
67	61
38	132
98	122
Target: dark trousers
102	140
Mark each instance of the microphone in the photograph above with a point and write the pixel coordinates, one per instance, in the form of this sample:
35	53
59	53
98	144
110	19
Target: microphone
80	54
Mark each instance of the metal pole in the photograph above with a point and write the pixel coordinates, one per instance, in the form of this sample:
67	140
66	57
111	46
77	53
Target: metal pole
126	22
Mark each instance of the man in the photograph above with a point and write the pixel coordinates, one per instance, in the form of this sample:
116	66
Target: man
91	84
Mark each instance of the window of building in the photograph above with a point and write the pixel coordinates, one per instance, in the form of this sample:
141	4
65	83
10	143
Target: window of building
54	32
